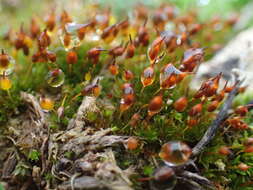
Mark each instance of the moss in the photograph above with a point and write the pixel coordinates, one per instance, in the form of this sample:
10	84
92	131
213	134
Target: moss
164	126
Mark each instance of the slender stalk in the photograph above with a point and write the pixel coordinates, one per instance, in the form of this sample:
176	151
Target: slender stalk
9	94
28	72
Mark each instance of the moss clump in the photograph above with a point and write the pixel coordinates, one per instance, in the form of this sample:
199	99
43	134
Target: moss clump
155	104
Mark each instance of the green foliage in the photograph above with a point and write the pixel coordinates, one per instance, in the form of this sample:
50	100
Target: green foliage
34	155
148	170
224	169
1	187
21	170
69	154
168	124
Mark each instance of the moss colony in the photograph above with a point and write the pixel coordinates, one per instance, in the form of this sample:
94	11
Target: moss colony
102	102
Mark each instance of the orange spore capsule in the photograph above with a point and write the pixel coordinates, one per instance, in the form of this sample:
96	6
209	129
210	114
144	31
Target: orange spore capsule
181	76
224	150
170	40
229	89
34	29
241	110
135	119
248	149
213	106
209	87
249	141
212	89
51	56
170	82
237	123
141	12
184	37
87	90
109	33
71	57
114	69
50	21
242	89
132	143
195	28
128	75
196	110
67	40
232	19
123	26
143	36
4	60
43	56
181	104
91	89
36	57
116	51
148	76
126	102
44	40
192	57
243	167
154	49
96	90
128	97
65	18
22	41
219	97
155	105
159	19
130	49
19	42
93	54
168	76
81	32
191	122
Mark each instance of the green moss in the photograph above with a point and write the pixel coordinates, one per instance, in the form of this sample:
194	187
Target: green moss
166	125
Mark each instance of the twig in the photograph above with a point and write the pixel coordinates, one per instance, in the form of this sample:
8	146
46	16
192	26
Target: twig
44	152
191	185
222	115
72	180
197	178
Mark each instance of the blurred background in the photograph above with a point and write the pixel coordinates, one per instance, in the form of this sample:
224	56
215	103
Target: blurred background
17	11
